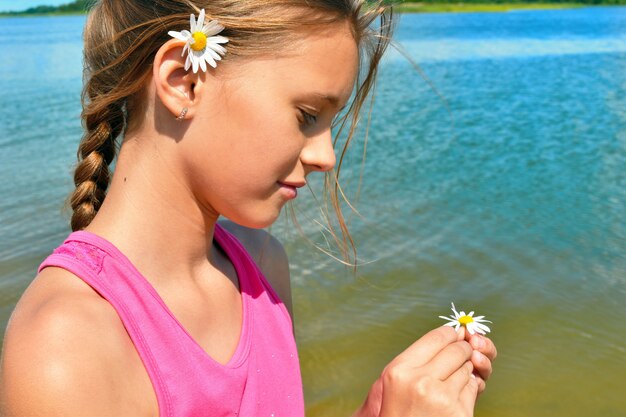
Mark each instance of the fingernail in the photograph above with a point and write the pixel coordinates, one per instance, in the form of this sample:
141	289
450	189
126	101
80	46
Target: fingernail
478	342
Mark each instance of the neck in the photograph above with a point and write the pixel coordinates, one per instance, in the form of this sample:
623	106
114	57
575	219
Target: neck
152	217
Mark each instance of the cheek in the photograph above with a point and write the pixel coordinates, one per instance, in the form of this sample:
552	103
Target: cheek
262	138
250	140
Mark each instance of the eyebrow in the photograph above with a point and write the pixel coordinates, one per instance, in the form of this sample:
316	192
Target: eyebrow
334	100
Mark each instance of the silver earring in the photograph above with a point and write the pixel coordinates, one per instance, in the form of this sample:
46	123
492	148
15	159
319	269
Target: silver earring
182	114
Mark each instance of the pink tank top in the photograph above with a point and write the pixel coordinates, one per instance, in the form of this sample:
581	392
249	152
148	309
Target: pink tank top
261	379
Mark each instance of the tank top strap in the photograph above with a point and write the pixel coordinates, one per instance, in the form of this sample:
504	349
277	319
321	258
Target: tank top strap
254	278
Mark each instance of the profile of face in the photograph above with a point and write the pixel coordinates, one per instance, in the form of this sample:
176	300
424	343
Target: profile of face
256	128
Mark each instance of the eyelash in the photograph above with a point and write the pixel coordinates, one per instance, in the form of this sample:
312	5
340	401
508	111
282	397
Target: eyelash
307	118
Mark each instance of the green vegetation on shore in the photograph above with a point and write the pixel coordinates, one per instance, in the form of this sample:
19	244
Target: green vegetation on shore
428	7
424	6
75	7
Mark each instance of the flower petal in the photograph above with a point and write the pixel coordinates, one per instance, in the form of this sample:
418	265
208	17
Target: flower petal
194	63
218	39
217	48
177	35
447	318
471	313
192	22
456	314
202	64
214	55
200	23
188	62
210	60
212	28
212	31
483	327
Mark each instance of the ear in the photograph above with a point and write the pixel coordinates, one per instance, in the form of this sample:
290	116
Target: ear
175	87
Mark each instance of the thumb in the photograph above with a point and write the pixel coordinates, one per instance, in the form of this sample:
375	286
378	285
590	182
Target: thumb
460	334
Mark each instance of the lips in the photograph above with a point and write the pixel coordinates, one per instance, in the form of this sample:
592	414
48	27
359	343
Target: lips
293	184
290	189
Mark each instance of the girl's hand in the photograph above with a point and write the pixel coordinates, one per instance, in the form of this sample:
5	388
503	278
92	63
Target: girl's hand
484	354
433	377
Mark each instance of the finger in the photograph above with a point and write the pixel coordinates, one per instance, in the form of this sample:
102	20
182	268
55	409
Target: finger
459	379
468	396
426	347
482	385
449	360
484	345
482	364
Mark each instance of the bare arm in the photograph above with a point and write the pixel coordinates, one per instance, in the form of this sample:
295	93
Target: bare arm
64	349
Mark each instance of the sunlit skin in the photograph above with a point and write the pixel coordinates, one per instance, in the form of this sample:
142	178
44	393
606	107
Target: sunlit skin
254	131
244	139
243	136
244	133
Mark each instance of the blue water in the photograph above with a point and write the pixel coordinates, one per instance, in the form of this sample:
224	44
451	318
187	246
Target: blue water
494	177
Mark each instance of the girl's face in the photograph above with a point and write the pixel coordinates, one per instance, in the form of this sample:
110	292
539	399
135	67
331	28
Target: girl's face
265	125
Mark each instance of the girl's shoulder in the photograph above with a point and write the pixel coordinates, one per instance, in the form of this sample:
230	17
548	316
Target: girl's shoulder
269	255
66	351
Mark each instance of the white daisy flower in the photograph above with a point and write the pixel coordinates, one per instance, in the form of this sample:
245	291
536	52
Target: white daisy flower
201	44
471	323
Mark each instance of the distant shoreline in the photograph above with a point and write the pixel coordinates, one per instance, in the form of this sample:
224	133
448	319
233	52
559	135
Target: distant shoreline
483	7
412	7
3	14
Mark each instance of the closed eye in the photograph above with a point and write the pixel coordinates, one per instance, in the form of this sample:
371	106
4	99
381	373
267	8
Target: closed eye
309	119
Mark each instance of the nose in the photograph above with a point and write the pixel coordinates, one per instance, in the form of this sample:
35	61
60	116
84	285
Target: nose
318	153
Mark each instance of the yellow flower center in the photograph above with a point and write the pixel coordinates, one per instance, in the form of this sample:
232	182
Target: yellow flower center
199	41
465	320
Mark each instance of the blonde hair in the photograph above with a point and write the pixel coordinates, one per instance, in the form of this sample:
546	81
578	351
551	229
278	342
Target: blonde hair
122	37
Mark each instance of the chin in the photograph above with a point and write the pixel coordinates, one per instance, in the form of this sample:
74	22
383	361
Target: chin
255	222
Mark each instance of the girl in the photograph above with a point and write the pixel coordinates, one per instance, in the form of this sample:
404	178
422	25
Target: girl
151	307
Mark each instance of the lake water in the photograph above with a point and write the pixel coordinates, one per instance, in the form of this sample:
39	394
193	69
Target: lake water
497	182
